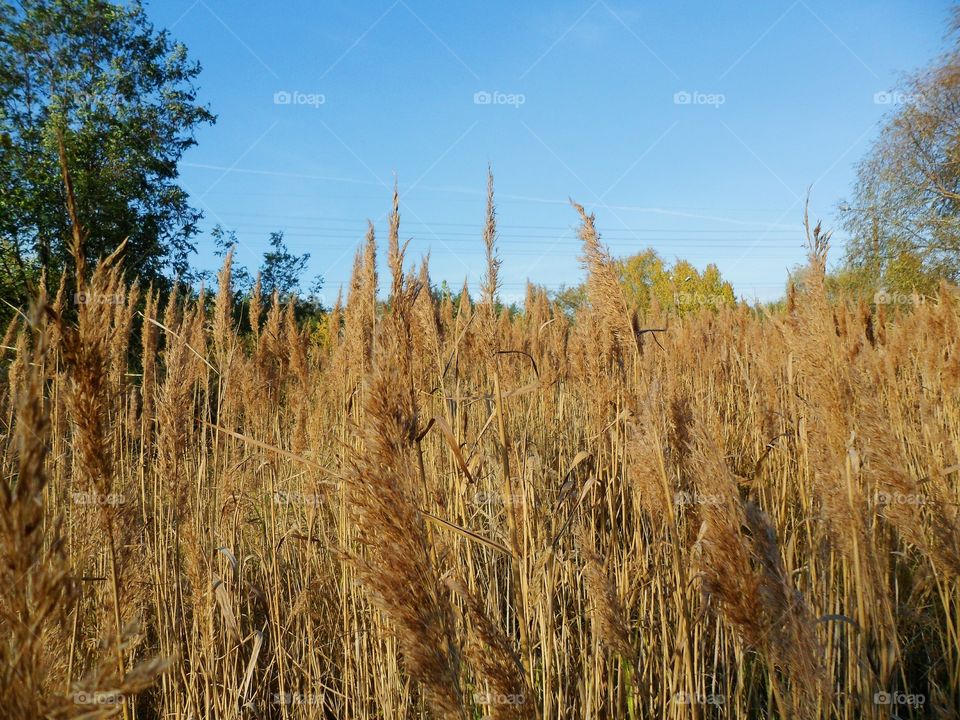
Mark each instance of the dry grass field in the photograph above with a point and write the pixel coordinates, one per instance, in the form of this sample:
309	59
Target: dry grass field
422	510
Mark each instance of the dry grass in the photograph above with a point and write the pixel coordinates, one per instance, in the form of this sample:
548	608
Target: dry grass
441	510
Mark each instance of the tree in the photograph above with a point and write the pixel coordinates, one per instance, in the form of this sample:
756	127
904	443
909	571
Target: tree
645	277
639	274
569	298
904	219
681	287
281	269
121	95
224	241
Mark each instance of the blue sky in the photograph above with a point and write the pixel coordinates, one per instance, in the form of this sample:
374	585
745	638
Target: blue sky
693	127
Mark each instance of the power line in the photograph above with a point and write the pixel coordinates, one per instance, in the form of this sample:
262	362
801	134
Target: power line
323	196
505	228
515	244
501	197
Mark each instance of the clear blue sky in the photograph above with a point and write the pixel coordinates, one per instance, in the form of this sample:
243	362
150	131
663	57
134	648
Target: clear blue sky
583	104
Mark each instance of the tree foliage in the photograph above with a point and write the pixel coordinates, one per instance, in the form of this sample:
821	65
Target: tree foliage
647	279
122	95
281	269
904	219
569	297
681	287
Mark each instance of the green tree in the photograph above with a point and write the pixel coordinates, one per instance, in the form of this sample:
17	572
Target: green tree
569	298
904	218
281	270
121	95
224	241
680	287
645	277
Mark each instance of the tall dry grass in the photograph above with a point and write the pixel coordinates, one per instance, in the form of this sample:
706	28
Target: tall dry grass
431	508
